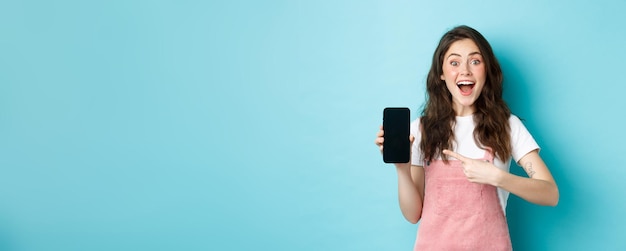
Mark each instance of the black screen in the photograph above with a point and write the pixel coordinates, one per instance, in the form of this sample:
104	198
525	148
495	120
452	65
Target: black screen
396	126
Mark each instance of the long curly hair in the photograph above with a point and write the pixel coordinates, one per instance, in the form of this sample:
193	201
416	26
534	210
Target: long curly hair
492	130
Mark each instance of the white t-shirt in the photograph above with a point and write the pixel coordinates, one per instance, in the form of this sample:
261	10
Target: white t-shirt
521	144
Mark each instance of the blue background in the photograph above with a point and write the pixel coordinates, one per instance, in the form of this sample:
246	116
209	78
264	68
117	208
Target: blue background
249	125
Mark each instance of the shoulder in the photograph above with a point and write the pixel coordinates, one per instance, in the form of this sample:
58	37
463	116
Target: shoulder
416	123
514	120
416	128
522	142
515	123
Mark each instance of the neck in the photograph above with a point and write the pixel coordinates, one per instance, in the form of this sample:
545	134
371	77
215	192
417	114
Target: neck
463	111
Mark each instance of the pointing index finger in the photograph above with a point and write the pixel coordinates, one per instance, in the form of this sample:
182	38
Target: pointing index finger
455	155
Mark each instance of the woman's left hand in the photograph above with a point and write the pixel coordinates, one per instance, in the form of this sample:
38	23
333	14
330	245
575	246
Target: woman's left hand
477	170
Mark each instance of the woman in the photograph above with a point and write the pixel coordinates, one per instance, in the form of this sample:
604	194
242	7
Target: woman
458	181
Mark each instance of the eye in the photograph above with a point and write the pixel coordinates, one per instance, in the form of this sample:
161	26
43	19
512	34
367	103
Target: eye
454	63
475	62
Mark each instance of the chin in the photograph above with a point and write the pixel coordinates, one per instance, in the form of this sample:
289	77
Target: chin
468	103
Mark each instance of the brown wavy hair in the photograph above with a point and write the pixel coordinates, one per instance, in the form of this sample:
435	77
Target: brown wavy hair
492	113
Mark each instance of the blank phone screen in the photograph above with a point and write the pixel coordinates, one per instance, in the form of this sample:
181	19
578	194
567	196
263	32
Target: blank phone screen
396	126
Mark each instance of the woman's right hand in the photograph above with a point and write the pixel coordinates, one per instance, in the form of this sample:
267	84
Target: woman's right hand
380	139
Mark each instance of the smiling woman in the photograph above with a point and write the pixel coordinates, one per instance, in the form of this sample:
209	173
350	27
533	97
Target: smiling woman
458	181
464	74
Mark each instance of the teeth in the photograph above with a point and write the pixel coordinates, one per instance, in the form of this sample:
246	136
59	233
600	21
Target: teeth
465	83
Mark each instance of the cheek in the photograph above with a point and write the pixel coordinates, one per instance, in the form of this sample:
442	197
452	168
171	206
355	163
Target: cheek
451	86
448	74
480	71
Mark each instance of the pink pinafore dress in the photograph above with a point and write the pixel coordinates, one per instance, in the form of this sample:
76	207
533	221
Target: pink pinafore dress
458	214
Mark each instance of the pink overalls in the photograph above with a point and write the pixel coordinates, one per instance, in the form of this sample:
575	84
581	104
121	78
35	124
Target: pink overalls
458	214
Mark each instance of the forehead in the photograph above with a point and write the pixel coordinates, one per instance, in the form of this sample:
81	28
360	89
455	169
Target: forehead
463	47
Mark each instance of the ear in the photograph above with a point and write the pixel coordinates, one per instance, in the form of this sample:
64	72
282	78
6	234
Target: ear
442	77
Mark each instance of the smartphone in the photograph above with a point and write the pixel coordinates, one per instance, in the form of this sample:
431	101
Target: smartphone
396	126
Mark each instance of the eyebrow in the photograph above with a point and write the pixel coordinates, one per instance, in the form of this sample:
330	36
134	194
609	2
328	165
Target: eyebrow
471	54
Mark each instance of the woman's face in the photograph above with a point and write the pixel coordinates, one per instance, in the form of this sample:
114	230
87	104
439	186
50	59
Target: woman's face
464	73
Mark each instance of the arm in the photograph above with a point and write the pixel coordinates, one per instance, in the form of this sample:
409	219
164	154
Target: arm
410	184
410	191
539	188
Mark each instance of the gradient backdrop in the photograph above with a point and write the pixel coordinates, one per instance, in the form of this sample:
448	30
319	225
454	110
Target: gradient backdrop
249	125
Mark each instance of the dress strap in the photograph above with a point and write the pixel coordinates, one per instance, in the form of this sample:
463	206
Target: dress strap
489	156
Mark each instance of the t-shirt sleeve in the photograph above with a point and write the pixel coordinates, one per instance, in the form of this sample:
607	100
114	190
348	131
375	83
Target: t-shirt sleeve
521	141
416	154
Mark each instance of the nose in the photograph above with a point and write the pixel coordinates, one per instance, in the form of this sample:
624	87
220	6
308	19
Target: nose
465	70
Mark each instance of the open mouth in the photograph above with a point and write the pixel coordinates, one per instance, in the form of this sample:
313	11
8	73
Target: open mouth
465	87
